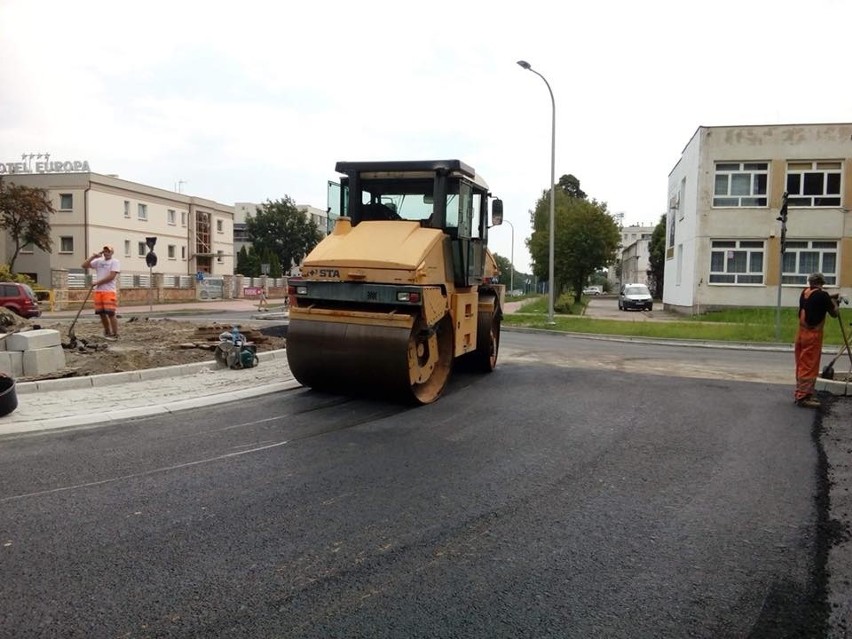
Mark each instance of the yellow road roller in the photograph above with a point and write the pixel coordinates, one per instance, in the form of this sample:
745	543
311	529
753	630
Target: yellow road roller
403	288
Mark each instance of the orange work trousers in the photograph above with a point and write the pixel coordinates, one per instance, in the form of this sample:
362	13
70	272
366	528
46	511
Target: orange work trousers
808	350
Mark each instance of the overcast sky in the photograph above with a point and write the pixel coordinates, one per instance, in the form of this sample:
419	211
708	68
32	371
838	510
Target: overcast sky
249	101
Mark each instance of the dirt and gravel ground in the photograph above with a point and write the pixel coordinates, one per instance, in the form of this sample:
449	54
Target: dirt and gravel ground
143	342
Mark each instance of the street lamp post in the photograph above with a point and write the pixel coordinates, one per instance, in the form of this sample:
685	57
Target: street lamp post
526	65
512	259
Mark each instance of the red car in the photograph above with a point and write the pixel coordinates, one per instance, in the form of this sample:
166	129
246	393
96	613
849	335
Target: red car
20	299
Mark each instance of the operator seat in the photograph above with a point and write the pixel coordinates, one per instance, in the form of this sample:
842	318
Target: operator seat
376	211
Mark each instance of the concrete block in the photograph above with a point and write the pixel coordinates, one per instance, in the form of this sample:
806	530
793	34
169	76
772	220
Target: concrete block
12	363
41	361
33	340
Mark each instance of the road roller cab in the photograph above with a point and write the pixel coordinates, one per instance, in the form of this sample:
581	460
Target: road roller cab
404	285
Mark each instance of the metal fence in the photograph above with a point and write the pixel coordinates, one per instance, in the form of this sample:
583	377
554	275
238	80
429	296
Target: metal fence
210	288
134	280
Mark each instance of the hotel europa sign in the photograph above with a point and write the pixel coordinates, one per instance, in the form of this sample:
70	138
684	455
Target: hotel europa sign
41	163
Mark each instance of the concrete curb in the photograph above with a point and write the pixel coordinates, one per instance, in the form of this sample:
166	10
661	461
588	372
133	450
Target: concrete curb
736	346
108	379
834	387
145	411
831	386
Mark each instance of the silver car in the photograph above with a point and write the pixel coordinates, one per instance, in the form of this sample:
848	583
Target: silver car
635	296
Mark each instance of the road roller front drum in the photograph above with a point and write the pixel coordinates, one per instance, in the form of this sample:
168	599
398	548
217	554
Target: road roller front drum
395	362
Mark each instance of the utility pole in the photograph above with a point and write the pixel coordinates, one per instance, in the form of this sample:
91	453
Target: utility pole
512	259
782	217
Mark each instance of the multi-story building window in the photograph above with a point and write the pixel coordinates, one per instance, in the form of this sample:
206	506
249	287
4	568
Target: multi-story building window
171	217
803	257
171	251
219	226
141	249
66	201
814	183
126	208
142	211
126	248
240	233
736	262
66	244
183	218
740	184
183	252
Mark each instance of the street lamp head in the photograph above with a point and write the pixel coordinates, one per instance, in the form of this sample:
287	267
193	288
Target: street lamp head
524	64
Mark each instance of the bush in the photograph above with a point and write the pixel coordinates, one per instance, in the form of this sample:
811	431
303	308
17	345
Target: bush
565	305
8	276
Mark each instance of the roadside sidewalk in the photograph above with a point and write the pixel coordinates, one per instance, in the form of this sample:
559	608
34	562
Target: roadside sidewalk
78	401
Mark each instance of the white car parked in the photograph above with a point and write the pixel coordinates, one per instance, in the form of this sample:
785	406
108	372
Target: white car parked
635	296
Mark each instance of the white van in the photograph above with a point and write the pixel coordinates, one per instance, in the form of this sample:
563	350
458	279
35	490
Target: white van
635	296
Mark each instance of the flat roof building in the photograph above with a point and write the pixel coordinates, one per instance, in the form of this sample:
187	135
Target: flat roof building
723	235
193	234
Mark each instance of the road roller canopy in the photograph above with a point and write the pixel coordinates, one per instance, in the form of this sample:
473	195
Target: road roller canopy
442	194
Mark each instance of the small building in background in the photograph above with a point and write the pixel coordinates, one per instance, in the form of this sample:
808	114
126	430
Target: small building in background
635	256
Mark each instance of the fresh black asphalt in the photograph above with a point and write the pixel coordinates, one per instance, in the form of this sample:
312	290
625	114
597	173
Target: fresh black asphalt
539	501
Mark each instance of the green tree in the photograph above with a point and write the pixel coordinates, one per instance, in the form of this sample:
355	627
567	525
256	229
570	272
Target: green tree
657	258
505	267
242	261
275	270
248	262
6	275
570	185
253	263
25	215
586	239
281	229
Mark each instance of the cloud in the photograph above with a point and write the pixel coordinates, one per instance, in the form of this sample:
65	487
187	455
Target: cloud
254	101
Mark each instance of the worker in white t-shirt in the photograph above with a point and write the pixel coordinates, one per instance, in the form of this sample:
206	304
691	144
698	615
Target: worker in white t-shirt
105	288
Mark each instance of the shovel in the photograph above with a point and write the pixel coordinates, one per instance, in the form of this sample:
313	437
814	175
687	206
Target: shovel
828	371
72	338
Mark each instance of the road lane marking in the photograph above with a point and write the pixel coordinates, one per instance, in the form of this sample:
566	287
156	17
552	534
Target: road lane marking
146	473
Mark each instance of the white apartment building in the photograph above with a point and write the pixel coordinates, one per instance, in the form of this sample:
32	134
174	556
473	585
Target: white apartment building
635	253
193	234
723	238
632	256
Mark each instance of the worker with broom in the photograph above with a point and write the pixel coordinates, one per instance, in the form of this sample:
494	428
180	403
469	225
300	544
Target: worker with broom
107	269
814	305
